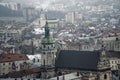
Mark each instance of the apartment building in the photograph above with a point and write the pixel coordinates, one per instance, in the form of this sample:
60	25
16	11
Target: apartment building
12	62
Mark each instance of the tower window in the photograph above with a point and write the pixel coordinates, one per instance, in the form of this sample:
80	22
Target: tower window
105	76
48	47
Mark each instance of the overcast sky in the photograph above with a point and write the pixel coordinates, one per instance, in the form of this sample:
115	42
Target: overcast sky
42	3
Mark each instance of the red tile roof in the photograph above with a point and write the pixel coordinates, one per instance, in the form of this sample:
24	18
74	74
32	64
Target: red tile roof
19	74
12	57
72	43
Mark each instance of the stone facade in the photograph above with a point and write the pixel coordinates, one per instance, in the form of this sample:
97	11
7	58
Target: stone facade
112	43
48	55
103	71
113	63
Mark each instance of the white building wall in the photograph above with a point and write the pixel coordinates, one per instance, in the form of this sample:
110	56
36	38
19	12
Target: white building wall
69	17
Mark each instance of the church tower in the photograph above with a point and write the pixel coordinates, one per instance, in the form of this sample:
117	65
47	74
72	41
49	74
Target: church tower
104	70
48	49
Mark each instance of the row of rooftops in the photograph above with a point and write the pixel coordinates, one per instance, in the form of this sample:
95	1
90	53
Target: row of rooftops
22	73
67	59
17	57
12	29
12	57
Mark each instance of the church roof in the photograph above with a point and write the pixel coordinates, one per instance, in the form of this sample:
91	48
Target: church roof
84	60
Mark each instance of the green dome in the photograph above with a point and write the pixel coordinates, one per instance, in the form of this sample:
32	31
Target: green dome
47	41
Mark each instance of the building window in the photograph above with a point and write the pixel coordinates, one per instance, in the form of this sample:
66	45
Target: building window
9	63
116	67
115	61
105	76
38	60
9	68
43	46
33	59
112	62
52	45
43	52
3	63
112	66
